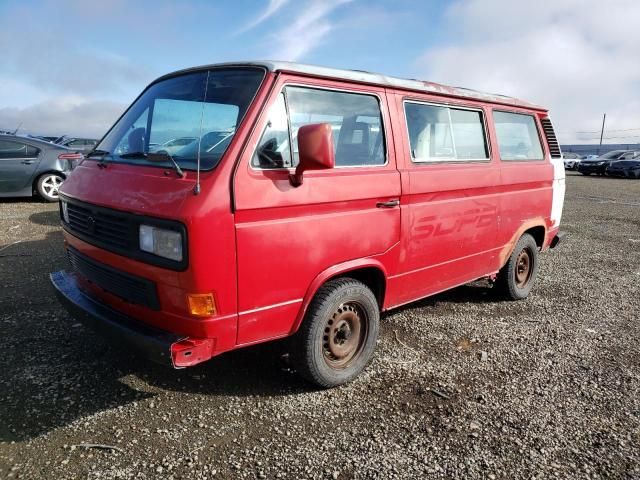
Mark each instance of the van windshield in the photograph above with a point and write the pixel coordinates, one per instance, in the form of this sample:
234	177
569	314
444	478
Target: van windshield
178	116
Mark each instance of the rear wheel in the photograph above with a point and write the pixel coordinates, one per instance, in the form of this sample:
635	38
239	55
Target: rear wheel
338	336
516	278
48	185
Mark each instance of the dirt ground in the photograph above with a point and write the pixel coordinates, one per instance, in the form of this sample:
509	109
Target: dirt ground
462	386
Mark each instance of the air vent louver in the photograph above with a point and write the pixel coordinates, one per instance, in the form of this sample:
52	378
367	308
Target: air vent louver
554	146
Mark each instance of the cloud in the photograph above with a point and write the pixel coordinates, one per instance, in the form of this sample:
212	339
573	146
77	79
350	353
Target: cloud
272	8
58	64
305	31
69	115
578	58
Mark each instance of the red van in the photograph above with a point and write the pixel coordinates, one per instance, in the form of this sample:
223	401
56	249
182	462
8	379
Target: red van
306	201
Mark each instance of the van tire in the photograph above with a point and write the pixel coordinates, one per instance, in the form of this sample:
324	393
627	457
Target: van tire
338	336
516	278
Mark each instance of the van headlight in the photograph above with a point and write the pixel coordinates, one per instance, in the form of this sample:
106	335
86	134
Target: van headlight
161	242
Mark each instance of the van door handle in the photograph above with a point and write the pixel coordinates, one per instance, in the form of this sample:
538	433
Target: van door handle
390	204
27	162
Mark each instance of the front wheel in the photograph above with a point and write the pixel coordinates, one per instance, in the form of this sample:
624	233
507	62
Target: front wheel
338	336
516	278
48	185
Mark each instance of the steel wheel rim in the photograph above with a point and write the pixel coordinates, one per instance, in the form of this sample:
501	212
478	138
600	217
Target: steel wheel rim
524	267
344	335
51	185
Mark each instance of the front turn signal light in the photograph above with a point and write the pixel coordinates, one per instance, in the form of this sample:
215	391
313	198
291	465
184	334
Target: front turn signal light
201	304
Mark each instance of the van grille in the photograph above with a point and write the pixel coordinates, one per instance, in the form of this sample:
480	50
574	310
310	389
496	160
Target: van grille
117	231
129	287
109	229
552	141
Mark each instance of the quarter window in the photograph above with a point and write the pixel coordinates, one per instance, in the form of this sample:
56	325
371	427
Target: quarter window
355	119
518	137
273	150
439	133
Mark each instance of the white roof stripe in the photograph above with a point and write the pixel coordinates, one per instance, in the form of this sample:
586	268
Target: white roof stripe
376	79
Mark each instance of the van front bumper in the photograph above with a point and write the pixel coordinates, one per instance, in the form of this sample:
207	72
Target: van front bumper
157	345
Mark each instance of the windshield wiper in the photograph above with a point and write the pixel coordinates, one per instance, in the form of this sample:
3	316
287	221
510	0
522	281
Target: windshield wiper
133	155
154	157
99	153
164	156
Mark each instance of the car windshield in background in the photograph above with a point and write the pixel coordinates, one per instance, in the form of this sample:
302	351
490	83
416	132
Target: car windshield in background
182	114
612	154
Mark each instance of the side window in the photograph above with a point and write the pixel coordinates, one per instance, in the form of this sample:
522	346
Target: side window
439	133
518	137
355	119
32	151
468	133
273	149
9	149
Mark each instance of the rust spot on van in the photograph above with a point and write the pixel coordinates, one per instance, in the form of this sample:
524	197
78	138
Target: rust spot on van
505	253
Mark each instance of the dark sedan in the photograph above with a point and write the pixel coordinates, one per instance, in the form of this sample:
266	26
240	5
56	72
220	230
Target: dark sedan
29	165
599	165
625	168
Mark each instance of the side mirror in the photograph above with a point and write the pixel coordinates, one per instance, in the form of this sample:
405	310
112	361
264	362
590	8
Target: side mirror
315	150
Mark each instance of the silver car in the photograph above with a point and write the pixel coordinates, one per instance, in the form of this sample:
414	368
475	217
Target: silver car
29	165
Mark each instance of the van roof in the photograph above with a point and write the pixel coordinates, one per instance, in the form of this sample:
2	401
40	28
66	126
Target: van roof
361	76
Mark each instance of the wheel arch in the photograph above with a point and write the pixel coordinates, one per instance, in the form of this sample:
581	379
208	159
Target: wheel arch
368	271
537	228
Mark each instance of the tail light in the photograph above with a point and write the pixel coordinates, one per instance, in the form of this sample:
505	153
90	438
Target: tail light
70	156
72	159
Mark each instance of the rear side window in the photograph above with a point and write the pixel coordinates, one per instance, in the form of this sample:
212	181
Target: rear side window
518	137
355	119
9	149
439	133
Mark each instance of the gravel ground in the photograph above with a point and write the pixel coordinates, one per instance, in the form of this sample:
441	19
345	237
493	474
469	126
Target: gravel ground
463	386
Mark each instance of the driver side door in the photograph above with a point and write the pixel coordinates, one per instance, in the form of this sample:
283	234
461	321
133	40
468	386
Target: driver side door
288	235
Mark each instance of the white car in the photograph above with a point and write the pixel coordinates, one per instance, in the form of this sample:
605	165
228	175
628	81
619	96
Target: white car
173	145
571	160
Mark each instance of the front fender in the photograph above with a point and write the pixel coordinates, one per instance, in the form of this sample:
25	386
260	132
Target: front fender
332	272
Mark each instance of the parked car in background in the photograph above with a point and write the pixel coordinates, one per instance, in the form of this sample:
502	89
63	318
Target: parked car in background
629	168
79	144
599	165
590	157
173	145
45	138
29	165
570	160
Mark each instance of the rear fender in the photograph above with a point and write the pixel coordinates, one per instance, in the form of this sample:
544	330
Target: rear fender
507	250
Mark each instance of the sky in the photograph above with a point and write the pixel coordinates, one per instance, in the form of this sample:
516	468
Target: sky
73	66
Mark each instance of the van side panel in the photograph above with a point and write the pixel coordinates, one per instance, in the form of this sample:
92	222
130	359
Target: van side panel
527	194
450	219
287	236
